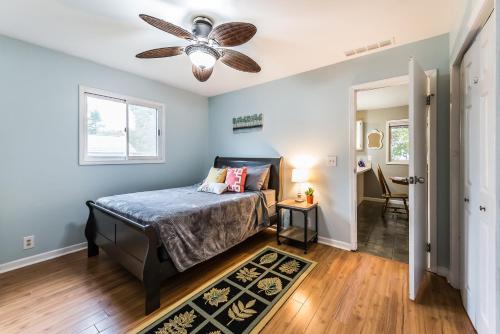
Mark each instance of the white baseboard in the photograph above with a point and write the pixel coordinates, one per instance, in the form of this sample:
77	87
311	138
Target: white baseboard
27	261
442	271
452	280
381	200
335	243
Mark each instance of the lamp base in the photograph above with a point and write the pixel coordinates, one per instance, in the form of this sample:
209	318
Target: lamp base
299	198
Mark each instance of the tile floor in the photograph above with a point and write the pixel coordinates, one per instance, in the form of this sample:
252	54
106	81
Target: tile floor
386	237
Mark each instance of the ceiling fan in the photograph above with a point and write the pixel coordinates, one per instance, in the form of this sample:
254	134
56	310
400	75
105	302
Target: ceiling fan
208	44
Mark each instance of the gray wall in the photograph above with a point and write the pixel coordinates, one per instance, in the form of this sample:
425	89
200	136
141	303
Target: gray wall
42	187
376	120
307	114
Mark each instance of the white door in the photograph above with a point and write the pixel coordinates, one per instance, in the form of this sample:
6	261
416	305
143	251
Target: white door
418	85
469	174
485	306
478	284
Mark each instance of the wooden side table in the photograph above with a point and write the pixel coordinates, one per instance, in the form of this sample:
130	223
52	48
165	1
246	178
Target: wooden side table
304	235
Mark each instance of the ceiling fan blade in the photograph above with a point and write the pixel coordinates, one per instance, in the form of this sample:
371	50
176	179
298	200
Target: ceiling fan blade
202	74
161	52
233	33
239	61
167	27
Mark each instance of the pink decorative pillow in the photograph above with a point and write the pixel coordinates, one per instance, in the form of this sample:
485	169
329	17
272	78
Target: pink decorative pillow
235	179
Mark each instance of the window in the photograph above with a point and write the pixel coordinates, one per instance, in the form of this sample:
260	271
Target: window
398	142
117	129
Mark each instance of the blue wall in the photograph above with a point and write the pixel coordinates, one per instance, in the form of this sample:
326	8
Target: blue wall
307	114
42	187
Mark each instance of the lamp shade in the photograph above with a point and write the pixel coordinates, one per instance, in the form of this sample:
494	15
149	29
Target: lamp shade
300	175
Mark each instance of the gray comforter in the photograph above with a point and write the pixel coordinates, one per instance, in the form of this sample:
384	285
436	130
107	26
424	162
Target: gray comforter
193	226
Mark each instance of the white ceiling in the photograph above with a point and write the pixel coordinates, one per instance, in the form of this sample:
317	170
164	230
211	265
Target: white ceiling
381	98
292	37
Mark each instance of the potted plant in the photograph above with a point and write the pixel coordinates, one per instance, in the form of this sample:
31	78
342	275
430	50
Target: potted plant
310	195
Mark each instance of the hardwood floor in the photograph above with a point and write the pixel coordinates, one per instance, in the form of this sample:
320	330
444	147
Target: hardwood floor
347	292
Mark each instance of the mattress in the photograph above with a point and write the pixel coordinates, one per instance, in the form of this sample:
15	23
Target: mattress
194	226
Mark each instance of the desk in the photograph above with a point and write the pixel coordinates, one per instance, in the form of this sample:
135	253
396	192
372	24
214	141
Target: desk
360	171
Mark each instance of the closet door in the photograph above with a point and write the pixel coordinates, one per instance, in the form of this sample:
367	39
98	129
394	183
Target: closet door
485	306
470	169
478	174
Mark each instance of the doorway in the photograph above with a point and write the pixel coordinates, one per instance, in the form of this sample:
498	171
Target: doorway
421	177
382	156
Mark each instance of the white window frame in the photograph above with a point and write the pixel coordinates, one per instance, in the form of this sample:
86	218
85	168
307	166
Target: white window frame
84	159
389	124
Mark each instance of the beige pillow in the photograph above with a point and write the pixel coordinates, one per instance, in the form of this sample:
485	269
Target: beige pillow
216	175
215	188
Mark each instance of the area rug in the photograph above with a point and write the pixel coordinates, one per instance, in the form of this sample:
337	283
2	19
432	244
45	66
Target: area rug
240	300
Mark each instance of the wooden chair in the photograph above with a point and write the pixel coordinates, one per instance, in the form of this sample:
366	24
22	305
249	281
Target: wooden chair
387	195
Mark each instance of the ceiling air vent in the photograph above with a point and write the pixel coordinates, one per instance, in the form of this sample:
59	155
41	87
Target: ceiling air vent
350	53
370	47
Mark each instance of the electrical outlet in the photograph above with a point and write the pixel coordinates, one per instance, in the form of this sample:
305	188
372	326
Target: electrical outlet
29	242
331	161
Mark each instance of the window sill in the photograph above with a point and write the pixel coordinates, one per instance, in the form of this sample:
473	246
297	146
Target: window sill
405	163
120	162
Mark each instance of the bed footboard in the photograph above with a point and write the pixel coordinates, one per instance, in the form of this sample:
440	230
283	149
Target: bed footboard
132	245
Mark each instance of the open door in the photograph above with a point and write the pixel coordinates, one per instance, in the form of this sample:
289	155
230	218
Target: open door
418	176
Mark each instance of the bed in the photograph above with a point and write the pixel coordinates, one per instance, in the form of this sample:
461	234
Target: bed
157	234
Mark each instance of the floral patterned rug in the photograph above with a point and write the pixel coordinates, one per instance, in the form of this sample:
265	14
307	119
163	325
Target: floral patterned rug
240	300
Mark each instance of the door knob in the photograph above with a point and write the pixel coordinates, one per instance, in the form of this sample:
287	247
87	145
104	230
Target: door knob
482	208
466	199
416	180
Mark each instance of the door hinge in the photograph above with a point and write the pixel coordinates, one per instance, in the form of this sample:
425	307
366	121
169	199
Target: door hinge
428	248
428	99
159	132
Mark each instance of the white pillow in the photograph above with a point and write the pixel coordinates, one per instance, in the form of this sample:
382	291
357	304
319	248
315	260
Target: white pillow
212	187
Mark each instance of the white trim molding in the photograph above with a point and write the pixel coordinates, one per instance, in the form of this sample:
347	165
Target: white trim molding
443	271
335	243
477	18
28	261
86	159
395	81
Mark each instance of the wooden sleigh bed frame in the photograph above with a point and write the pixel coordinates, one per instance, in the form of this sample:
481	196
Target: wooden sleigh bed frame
138	248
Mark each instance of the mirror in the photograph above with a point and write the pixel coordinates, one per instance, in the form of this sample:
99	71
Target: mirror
374	140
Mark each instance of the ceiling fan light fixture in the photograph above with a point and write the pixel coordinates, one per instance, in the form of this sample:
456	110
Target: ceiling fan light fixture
207	45
202	55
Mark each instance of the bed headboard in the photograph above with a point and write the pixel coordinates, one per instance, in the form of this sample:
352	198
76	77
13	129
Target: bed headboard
276	177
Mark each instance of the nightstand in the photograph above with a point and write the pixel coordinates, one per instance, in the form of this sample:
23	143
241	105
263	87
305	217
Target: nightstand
303	235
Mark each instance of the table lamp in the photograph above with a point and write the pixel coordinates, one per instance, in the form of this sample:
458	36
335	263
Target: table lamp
300	175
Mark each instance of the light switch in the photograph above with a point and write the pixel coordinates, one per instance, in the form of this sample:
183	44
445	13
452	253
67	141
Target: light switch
331	161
